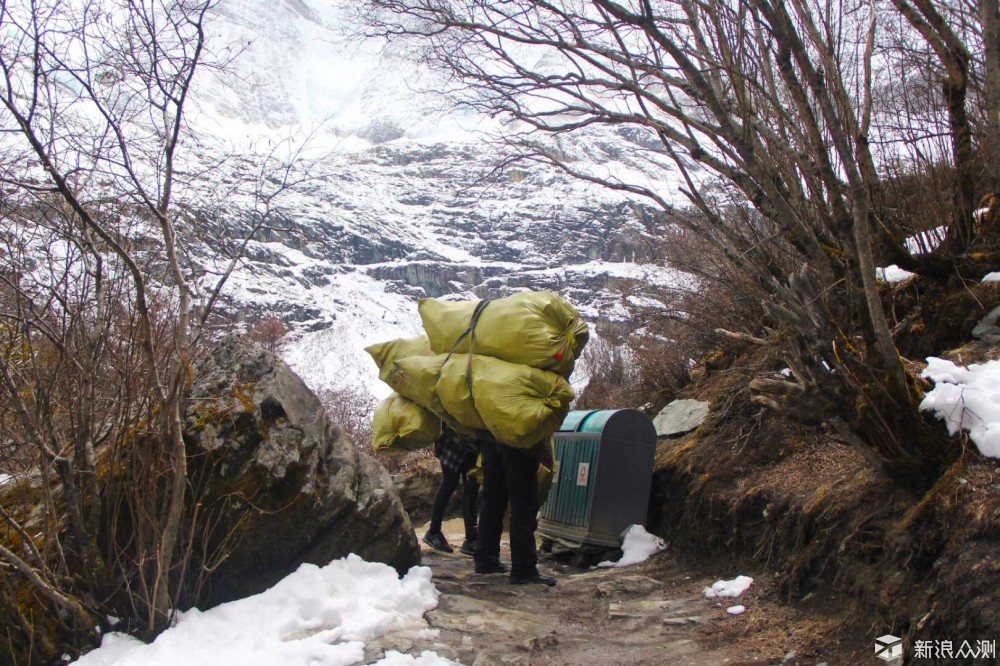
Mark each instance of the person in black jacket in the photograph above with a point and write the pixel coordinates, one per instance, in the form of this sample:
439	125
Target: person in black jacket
457	455
510	475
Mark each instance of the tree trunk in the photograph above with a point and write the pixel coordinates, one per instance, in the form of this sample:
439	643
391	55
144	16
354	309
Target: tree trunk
991	46
954	57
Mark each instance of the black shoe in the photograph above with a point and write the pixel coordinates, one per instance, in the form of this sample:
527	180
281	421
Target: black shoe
492	568
437	541
532	578
468	547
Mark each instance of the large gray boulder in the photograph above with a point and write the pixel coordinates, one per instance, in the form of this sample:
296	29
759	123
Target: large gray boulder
679	417
278	483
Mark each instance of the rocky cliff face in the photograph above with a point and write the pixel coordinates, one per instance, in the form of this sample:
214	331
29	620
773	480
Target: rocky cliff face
404	200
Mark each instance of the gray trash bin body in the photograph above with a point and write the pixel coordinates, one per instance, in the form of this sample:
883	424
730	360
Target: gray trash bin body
602	478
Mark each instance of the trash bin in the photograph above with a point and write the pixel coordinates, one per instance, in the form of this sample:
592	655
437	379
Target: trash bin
602	478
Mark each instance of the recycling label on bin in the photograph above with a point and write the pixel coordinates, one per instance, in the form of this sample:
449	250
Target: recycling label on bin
583	474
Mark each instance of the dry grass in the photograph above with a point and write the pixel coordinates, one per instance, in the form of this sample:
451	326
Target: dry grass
768	631
421	464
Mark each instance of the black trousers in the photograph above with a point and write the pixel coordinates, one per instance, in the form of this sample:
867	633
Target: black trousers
470	498
509	475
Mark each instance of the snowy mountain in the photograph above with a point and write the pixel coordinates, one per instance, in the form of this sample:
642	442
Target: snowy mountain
394	197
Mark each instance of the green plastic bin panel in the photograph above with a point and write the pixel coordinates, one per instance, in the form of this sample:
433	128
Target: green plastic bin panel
571	496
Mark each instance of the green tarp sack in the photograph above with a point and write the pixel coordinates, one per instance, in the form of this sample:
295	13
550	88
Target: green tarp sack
386	353
535	328
415	378
400	425
518	405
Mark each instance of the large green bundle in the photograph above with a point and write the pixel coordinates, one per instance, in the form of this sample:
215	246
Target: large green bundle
386	353
401	425
454	392
537	329
415	378
518	405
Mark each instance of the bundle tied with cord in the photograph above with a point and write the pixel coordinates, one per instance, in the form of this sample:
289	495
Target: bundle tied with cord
534	328
496	368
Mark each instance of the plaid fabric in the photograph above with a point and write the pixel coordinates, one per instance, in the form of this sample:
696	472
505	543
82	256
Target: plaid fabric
456	452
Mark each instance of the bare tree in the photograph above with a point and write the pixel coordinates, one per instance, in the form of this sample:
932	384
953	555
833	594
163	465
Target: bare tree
352	409
93	98
954	57
103	310
763	112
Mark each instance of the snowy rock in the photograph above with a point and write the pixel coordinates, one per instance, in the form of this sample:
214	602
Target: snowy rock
893	274
989	326
966	398
281	484
679	417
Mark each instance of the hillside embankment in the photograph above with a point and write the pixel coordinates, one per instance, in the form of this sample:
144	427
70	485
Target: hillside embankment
750	489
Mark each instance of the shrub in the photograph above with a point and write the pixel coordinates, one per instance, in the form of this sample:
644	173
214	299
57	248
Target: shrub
268	333
351	409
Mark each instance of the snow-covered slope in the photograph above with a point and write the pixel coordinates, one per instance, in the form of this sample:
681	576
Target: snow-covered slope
394	197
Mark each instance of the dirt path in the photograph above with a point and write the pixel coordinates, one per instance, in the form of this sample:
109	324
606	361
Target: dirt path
650	613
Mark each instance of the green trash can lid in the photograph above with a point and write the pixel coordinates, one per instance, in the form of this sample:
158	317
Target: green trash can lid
573	420
630	423
587	421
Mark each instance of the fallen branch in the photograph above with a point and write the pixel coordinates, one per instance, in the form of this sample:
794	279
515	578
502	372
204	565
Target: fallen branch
744	337
72	606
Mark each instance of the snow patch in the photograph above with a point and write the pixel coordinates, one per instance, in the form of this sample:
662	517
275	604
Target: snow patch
637	546
317	616
728	588
893	274
966	398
